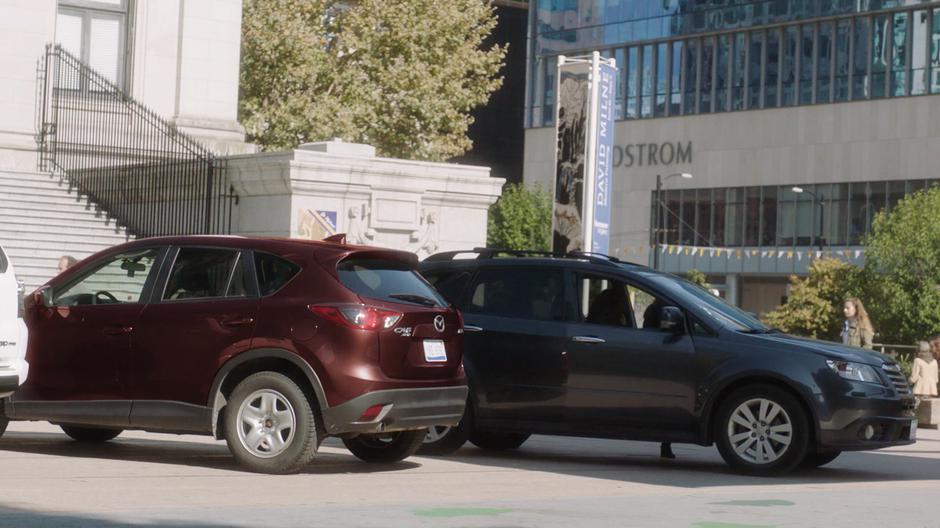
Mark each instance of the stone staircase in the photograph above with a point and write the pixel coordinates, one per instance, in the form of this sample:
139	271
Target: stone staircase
42	219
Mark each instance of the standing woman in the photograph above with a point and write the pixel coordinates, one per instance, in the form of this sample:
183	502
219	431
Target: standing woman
857	330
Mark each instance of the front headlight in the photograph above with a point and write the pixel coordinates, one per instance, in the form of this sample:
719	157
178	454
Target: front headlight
855	371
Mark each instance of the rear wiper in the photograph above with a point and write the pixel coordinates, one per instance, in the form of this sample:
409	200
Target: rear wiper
415	298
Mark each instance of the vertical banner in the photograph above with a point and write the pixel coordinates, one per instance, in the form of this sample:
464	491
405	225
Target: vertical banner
603	160
584	125
571	124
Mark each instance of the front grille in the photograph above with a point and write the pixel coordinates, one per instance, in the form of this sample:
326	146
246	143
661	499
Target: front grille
893	371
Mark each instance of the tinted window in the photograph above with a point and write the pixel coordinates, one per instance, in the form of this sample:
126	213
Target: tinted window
200	273
273	272
118	280
611	302
449	284
387	280
4	263
519	293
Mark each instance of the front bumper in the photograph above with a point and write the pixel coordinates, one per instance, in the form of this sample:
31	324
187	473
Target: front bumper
868	422
8	384
402	410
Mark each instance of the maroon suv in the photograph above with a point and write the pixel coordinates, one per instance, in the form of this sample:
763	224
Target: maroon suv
271	344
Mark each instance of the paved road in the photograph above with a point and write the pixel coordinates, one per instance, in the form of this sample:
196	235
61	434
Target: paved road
147	480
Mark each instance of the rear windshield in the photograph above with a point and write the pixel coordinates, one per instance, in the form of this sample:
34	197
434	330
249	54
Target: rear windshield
387	280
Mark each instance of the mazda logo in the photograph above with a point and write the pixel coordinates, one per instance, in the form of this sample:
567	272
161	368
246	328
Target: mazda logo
439	323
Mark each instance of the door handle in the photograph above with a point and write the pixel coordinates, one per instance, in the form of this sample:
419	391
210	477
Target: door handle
588	339
117	330
472	328
241	321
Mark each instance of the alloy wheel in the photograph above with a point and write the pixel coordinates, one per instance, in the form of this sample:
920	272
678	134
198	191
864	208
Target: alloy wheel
760	431
266	423
436	433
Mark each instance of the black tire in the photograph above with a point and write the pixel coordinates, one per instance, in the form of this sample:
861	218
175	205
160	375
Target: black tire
300	445
90	435
497	441
3	425
385	448
815	460
786	456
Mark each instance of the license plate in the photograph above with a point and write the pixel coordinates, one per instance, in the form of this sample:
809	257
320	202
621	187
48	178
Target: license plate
434	351
913	429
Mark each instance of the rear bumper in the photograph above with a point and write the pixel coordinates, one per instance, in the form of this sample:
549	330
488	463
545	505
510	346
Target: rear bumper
402	409
8	384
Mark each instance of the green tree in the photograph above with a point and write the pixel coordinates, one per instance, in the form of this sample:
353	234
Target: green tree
521	219
401	75
902	269
814	306
697	277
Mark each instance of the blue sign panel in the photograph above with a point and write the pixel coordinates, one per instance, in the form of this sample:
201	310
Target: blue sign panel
604	137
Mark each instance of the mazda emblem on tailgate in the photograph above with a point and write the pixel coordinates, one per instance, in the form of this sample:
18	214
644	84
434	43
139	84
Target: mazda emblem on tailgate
439	323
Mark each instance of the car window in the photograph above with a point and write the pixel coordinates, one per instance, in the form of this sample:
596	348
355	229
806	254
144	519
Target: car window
449	283
273	272
519	293
387	280
121	279
611	302
203	273
4	263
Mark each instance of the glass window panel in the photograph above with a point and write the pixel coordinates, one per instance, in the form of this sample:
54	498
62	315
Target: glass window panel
705	83
104	47
718	218
548	111
772	68
899	55
119	280
671	216
860	83
858	212
806	220
691	80
788	71
919	53
768	230
687	228
620	57
752	217
646	95
519	293
877	200
879	55
841	81
703	221
632	79
837	214
786	216
754	70
734	217
675	97
807	58
200	273
896	191
824	63
722	82
662	75
68	32
739	66
935	53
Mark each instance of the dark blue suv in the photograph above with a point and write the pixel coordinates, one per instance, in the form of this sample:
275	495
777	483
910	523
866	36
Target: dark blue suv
586	345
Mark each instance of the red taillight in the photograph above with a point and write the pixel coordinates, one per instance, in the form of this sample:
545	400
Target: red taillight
358	316
372	413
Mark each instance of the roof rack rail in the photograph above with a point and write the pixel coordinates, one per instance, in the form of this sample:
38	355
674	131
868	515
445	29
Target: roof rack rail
488	253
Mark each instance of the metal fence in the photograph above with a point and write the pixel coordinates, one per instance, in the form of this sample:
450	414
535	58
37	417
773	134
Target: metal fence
140	170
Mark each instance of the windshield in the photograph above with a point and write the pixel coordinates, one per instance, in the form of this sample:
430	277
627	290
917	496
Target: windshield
720	311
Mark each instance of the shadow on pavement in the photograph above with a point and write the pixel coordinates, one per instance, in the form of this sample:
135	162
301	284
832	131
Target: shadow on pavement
694	467
30	519
179	452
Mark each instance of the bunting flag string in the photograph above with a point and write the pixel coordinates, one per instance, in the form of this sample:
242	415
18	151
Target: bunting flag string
742	254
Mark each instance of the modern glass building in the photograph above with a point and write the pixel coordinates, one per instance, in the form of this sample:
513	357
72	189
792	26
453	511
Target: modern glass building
836	97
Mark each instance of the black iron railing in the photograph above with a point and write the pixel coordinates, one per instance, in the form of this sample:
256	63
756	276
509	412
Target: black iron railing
139	169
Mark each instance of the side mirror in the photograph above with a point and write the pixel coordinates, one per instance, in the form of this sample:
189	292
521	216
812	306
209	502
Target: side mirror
42	297
671	320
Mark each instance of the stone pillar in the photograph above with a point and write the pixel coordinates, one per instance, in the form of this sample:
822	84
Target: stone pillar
733	292
334	187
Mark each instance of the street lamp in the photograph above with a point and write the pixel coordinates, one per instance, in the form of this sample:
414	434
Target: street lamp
657	231
822	211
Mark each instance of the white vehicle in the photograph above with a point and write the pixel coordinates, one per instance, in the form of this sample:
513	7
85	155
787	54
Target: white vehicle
13	366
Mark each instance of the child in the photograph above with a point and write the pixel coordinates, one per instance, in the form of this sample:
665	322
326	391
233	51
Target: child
924	372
